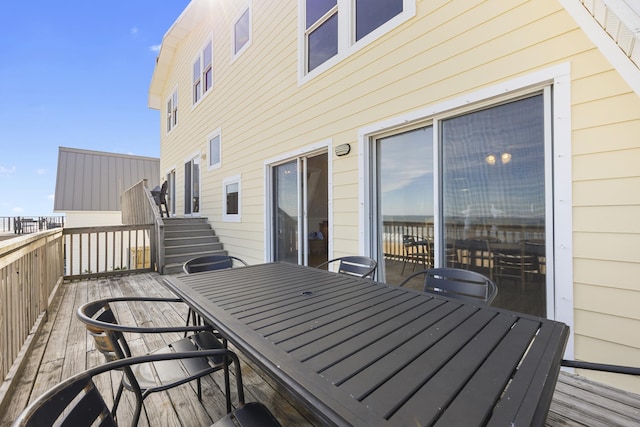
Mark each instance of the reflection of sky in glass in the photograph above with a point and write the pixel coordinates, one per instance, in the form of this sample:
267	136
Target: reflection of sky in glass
370	14
406	173
474	188
323	42
286	183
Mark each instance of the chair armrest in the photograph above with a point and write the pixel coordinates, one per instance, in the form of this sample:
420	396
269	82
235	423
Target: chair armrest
94	306
417	273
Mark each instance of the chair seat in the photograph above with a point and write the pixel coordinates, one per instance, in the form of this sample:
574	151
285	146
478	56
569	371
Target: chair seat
253	414
176	371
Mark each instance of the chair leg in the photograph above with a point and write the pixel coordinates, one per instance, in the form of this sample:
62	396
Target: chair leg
116	400
227	385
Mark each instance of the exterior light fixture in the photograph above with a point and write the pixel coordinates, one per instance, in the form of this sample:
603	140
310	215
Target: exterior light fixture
505	158
490	159
343	149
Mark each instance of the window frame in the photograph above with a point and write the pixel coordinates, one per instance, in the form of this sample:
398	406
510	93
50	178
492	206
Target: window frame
199	87
233	217
347	44
248	9
216	133
172	110
556	80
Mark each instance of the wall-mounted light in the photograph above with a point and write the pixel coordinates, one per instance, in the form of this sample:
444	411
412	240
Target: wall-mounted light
343	149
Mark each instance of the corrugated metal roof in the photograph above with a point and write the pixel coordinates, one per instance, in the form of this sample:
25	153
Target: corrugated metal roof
94	180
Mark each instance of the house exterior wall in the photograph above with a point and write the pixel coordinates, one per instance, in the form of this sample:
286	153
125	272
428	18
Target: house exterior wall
448	50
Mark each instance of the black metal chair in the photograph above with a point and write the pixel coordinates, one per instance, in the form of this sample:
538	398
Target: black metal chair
457	283
208	263
360	266
415	251
212	262
77	401
110	340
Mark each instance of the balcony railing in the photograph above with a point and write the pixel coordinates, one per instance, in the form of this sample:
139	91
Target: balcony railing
33	266
30	271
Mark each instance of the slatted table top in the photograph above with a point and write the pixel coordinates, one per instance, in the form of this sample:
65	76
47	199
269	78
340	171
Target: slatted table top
359	352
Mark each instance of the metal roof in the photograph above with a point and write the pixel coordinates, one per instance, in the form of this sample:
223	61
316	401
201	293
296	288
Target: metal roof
94	180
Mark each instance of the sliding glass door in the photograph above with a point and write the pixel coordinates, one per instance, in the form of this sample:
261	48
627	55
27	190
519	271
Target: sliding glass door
481	205
300	210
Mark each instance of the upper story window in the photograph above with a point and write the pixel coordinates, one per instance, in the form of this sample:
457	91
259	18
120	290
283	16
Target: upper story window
172	110
242	32
203	72
215	148
334	29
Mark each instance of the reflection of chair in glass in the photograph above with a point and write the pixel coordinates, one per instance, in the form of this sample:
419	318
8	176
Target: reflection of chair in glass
416	251
457	283
360	266
474	252
144	379
510	260
77	401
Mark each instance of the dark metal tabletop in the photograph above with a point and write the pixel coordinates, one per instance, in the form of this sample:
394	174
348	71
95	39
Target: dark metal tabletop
359	352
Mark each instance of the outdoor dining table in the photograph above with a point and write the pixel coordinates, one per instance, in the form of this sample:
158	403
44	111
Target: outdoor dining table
363	353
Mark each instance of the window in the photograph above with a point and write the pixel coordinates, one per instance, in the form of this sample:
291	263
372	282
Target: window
172	110
231	202
483	208
203	72
335	28
214	144
242	32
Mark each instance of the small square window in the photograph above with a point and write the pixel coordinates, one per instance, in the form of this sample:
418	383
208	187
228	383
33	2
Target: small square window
215	148
242	32
231	199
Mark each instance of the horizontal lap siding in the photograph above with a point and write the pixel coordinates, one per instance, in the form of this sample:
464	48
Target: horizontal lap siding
449	49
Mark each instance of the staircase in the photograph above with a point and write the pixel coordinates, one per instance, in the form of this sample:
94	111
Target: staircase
186	238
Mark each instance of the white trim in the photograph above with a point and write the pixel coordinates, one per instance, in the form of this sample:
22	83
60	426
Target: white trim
321	146
234	54
629	71
217	132
236	179
346	45
195	155
559	77
200	56
174	106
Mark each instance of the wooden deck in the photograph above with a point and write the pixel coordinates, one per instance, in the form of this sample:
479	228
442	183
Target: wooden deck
63	348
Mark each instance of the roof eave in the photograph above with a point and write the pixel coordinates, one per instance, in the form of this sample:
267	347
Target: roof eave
173	37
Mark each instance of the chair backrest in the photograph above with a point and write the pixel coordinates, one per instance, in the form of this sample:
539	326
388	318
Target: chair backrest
77	402
72	403
457	283
360	266
112	344
163	192
211	262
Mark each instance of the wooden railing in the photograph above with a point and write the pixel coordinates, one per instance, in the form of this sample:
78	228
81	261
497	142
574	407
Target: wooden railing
108	251
30	271
139	207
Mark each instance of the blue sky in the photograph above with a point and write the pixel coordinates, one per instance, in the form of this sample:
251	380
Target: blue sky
74	73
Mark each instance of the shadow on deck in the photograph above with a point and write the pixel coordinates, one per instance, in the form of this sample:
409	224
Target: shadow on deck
63	349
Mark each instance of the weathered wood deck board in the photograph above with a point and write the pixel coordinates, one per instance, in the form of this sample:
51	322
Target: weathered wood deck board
64	348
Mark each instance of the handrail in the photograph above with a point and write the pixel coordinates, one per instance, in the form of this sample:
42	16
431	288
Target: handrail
31	268
139	207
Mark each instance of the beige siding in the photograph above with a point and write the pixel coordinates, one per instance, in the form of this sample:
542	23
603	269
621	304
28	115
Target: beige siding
449	49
